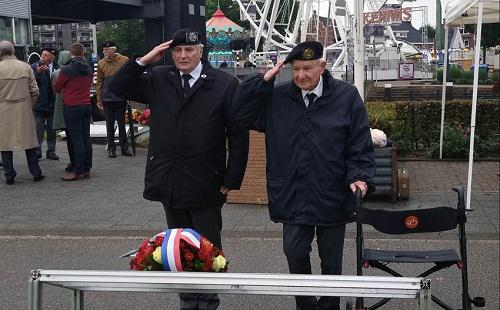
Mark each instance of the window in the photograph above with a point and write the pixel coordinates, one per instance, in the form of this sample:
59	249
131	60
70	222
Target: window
73	26
22	27
6	28
59	34
466	43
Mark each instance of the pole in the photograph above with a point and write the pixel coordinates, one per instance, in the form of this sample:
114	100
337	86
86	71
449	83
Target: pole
477	51
94	38
443	92
359	48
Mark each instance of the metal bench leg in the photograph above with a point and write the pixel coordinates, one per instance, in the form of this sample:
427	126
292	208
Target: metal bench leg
34	293
424	297
77	301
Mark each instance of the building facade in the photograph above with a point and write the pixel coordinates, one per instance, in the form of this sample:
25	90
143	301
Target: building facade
15	25
61	36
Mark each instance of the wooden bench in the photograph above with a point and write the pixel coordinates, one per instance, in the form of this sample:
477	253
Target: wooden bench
386	175
226	283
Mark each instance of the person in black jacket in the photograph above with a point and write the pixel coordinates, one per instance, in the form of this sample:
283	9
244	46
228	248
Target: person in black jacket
188	167
319	150
44	106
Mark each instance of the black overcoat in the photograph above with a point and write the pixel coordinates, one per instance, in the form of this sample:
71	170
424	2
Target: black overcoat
187	160
313	153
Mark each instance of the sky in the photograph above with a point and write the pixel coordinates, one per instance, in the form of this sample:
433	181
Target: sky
416	17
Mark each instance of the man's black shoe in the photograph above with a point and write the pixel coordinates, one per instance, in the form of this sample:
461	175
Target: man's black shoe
111	153
38	178
9	181
52	156
127	153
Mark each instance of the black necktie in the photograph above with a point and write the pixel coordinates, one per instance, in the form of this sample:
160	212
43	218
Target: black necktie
186	78
310	98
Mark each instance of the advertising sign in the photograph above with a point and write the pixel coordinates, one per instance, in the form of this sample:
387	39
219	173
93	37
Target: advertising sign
406	71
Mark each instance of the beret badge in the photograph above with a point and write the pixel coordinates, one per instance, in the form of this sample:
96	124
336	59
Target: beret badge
191	37
308	54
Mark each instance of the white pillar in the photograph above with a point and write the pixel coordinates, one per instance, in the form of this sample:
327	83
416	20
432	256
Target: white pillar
94	38
443	92
477	52
359	48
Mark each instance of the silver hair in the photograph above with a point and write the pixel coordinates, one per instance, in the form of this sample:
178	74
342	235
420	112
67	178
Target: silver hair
6	49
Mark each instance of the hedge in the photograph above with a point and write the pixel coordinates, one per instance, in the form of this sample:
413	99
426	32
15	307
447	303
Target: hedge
414	125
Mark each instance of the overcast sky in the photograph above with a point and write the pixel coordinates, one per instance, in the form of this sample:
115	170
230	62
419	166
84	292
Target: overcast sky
416	16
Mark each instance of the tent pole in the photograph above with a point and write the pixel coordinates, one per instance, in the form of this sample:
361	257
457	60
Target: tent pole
477	52
443	92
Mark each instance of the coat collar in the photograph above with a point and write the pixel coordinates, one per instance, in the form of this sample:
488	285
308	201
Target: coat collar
206	79
295	92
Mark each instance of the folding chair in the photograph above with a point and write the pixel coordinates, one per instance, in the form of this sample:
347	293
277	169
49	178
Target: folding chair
429	220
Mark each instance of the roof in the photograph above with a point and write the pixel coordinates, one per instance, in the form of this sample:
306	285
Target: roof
413	35
219	21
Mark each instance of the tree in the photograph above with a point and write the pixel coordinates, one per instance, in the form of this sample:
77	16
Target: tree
127	34
490	36
431	32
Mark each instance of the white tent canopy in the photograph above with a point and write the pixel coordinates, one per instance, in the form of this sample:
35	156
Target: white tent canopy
460	12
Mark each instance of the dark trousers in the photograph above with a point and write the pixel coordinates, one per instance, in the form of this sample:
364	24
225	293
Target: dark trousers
115	111
297	241
44	120
31	158
207	222
77	119
70	148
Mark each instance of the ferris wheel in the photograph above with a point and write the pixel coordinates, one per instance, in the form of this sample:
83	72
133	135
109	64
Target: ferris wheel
280	24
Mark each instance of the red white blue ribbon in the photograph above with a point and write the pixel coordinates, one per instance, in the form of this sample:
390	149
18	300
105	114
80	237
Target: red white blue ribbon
170	252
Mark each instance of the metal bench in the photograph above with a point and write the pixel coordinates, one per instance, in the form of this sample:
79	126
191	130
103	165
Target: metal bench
227	283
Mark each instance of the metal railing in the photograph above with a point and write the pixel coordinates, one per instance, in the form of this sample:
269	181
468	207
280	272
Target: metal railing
227	283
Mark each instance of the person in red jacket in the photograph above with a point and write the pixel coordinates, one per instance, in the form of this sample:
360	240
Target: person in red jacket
75	80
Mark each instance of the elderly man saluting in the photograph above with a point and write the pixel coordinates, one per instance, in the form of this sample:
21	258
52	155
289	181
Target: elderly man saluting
319	150
187	167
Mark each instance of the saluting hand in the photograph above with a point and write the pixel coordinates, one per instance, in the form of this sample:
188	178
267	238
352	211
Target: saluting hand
271	73
156	54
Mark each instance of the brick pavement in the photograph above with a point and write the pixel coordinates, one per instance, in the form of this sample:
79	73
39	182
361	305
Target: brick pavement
111	203
440	176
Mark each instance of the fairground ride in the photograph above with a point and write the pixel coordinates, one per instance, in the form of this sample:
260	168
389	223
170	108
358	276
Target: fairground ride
278	25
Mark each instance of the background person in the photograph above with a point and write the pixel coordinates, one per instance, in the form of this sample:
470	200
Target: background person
74	81
18	93
114	107
58	123
44	106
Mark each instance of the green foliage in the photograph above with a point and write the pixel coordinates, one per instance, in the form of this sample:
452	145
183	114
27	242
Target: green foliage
127	34
496	75
490	34
455	143
462	77
415	125
431	32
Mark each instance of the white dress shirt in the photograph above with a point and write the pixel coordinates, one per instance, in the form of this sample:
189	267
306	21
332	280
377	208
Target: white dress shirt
195	75
318	91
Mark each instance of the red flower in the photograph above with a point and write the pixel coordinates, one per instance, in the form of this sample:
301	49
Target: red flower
189	256
158	241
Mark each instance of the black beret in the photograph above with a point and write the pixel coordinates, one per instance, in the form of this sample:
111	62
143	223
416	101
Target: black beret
308	50
108	44
186	36
51	50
